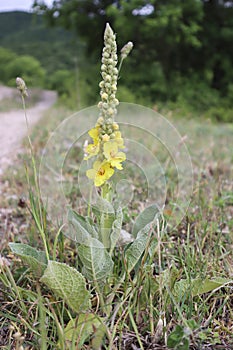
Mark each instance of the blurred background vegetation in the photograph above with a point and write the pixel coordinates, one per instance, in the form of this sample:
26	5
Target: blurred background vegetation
181	62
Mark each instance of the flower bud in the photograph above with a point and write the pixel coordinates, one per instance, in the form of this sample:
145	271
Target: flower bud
105	55
114	87
100	120
103	67
115	126
104	96
126	50
110	111
105	137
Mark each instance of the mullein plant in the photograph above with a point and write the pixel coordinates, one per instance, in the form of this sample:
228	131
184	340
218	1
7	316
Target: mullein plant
96	238
107	142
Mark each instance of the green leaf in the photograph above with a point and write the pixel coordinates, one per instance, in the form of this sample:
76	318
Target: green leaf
147	216
81	228
103	206
192	324
97	263
82	328
35	259
116	228
175	336
68	284
184	344
182	289
198	286
135	251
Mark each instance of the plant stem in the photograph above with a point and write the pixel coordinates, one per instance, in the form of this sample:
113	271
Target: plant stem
39	224
120	65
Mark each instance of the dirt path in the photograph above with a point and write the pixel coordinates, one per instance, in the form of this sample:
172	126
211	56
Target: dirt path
13	127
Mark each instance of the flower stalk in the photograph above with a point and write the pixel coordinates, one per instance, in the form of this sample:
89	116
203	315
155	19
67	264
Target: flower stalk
106	136
107	142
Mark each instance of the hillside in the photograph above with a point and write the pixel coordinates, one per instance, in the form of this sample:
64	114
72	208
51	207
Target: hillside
27	33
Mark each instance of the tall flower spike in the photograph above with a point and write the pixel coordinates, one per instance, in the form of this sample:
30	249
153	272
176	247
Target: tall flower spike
109	74
105	135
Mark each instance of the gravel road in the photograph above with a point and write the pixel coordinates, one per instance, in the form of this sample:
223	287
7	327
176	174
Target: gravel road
13	126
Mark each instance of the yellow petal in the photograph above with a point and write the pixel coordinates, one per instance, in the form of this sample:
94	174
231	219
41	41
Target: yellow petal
94	133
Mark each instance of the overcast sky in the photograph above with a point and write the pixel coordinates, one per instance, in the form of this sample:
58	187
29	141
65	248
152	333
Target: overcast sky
23	5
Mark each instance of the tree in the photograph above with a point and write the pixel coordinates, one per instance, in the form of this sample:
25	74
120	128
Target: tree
179	39
6	56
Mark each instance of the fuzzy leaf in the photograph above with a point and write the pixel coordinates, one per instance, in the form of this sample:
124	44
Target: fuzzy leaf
116	228
204	286
84	327
97	263
135	251
68	284
146	217
35	259
81	228
125	238
103	206
198	286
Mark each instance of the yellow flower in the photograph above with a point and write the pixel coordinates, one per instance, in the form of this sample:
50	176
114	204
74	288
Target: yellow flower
105	137
119	139
100	173
94	133
92	150
112	155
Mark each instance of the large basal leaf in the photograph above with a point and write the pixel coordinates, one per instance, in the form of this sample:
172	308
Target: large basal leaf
198	286
146	217
135	251
68	284
86	326
81	229
97	263
35	259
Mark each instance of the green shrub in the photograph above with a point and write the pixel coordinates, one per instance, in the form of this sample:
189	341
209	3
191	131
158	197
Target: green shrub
27	67
220	114
6	56
195	92
62	81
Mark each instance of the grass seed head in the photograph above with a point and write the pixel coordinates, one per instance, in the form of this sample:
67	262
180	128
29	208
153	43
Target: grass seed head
21	86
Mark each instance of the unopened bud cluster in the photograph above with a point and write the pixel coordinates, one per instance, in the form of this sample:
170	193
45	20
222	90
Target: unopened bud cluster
109	72
106	136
